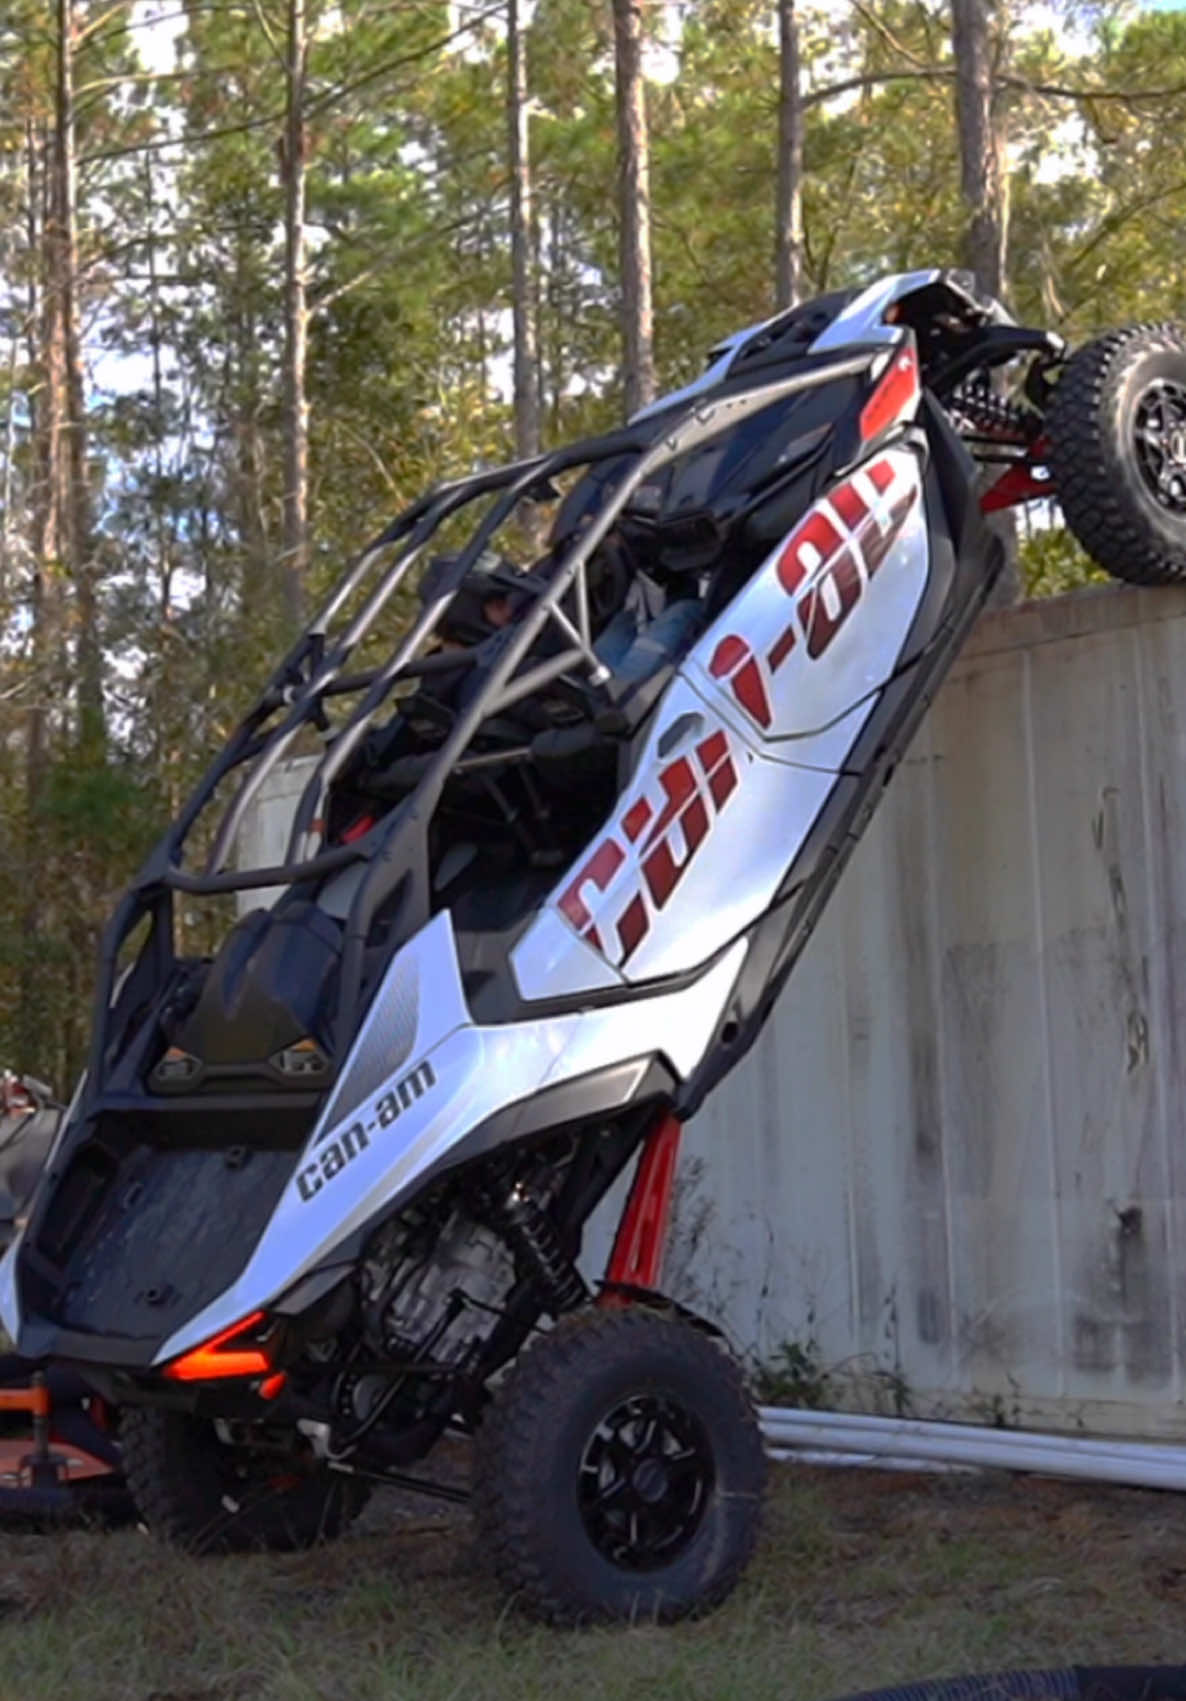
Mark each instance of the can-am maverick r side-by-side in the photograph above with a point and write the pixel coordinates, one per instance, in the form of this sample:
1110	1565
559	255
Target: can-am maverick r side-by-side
319	1199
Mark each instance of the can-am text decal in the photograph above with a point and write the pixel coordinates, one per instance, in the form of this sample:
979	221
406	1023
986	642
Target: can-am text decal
332	1157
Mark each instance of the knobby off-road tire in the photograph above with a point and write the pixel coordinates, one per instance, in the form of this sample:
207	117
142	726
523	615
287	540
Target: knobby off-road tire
1117	449
205	1497
620	1471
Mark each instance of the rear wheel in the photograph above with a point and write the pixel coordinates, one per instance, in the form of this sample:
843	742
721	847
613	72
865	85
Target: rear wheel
1117	449
620	1471
207	1497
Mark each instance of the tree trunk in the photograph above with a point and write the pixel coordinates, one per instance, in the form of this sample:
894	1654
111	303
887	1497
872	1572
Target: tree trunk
76	519
538	308
555	296
981	143
634	208
788	209
983	183
8	488
248	470
296	321
46	408
163	705
526	356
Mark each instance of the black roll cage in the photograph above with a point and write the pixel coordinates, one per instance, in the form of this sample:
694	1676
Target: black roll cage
395	846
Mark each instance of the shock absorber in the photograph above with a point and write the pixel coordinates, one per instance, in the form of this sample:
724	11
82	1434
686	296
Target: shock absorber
533	1237
994	414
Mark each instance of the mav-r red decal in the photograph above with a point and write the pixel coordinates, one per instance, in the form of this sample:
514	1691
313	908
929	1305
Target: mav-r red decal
836	565
823	568
693	794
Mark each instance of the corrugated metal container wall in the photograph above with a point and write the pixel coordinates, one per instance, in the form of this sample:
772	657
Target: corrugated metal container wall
955	1160
952	1172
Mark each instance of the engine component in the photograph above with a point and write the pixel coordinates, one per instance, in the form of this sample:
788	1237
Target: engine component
436	1283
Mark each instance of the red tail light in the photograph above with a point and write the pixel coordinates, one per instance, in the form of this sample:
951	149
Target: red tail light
220	1356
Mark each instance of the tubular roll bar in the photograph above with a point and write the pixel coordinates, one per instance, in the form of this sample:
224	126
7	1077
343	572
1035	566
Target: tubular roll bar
314	669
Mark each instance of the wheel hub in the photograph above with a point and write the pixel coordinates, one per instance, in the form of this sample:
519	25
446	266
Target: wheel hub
1160	430
644	1482
650	1481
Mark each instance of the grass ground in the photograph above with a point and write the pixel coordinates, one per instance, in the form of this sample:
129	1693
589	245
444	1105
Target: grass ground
862	1579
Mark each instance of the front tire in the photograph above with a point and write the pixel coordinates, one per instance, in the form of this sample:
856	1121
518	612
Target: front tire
620	1471
1116	426
192	1490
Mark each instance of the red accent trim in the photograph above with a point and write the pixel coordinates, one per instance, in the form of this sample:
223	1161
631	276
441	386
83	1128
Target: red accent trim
272	1385
679	782
882	474
722	783
1018	484
694	823
782	648
654	867
712	750
718	768
600	869
821	534
820	625
895	397
662	873
215	1359
751	693
636	818
634	926
358	828
848	502
637	1257
733	657
876	545
729	652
